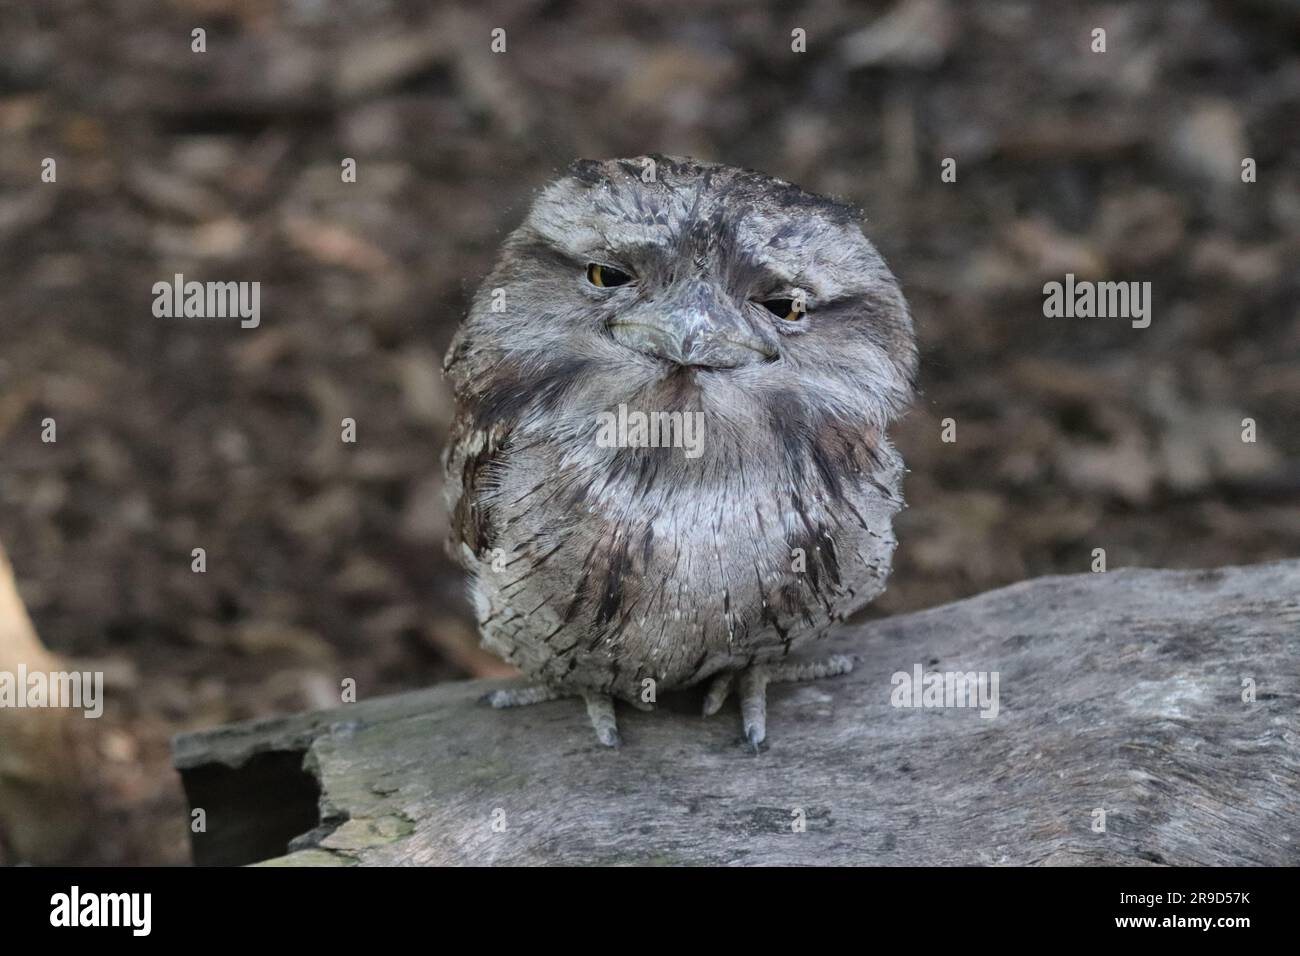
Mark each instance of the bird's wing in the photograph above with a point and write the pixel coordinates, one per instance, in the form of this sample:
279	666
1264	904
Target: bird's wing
472	456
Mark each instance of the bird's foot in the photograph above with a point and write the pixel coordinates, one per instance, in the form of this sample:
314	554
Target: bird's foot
504	697
753	689
600	707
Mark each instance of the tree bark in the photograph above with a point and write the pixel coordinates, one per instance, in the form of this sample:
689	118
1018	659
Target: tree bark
1144	717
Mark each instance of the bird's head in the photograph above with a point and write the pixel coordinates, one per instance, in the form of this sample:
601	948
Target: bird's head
672	285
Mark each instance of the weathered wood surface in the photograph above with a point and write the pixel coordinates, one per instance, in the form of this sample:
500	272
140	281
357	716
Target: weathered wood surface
1120	691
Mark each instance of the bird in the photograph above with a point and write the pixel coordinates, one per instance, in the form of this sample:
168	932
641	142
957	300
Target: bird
697	293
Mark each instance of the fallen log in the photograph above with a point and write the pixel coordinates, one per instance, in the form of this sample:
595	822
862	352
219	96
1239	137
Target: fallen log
1141	717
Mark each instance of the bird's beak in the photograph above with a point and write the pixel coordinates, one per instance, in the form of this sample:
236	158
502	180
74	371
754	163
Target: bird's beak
694	337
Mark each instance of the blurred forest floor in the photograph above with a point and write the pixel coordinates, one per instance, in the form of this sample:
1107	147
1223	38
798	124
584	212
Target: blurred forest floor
325	561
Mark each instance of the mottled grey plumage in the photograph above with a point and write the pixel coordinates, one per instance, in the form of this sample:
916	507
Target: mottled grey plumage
597	568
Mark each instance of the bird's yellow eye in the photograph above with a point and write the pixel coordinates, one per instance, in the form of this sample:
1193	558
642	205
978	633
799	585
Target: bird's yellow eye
786	309
606	276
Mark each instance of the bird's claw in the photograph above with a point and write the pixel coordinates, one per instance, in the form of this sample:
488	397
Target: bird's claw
504	697
753	689
600	708
717	693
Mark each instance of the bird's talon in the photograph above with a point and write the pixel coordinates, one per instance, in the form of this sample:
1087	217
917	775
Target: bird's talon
504	697
753	689
717	693
600	708
753	704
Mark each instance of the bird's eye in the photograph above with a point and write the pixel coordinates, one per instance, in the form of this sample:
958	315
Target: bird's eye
786	309
606	276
